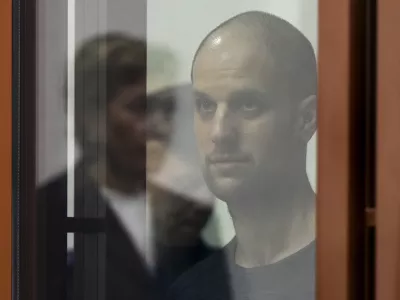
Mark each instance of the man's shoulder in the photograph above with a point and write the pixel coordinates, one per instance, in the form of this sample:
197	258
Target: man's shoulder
208	279
213	277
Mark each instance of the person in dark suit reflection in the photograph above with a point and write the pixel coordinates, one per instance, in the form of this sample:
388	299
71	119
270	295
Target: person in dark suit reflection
255	82
179	213
124	135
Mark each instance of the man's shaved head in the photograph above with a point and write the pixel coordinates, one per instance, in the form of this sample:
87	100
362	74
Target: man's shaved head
255	82
288	53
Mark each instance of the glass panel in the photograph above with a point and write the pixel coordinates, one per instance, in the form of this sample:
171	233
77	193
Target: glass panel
176	149
252	70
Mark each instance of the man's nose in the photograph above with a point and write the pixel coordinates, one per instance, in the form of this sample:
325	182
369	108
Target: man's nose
156	119
223	130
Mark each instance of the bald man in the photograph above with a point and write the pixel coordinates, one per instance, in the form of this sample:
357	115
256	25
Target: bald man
255	80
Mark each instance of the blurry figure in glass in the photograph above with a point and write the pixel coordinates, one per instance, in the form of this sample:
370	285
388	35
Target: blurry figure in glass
255	81
178	199
117	243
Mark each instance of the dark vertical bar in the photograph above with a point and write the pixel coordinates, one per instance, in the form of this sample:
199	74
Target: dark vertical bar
359	156
25	147
16	36
370	96
370	147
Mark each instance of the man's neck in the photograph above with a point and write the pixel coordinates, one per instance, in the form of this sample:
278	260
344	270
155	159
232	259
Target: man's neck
280	225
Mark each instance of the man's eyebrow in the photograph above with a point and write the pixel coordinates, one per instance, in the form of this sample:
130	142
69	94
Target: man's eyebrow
248	92
198	93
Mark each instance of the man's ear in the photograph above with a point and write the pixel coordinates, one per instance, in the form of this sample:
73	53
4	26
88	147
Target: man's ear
307	122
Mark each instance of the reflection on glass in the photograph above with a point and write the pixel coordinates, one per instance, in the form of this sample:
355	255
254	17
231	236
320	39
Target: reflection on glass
187	160
255	111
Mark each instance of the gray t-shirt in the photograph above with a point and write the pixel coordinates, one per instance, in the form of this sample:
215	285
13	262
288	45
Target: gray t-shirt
219	278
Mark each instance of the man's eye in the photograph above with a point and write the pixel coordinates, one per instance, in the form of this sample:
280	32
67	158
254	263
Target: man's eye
206	106
249	106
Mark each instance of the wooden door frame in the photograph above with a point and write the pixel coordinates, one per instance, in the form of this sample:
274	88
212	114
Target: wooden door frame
342	159
388	149
5	149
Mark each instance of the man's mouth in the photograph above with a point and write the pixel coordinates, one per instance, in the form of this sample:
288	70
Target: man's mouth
229	159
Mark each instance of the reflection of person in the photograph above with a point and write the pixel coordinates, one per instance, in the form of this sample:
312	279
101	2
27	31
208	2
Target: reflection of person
177	216
116	124
110	118
255	81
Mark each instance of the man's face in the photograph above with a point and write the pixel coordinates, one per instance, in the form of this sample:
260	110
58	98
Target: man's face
243	121
126	131
139	130
160	113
